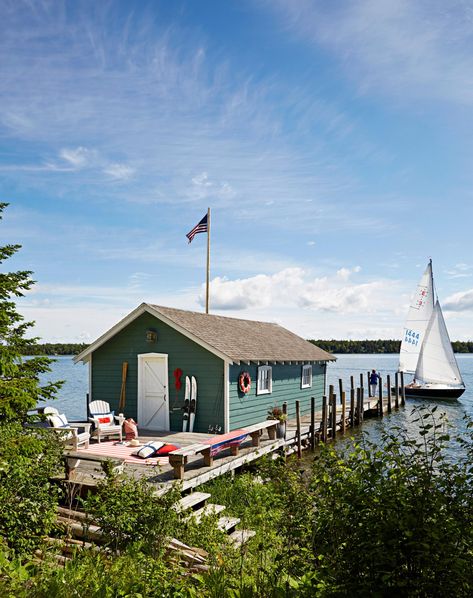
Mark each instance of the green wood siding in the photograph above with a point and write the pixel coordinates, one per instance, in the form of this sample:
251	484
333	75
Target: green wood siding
182	353
252	408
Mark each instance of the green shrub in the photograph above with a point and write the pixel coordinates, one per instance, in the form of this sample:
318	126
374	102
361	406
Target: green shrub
128	511
28	460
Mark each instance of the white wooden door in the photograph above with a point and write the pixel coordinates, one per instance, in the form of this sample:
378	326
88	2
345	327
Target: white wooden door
153	397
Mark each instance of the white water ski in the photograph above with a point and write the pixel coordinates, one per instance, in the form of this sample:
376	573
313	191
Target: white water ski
193	404
185	409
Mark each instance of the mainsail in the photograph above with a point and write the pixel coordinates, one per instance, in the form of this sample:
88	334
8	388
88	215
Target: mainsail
418	319
437	363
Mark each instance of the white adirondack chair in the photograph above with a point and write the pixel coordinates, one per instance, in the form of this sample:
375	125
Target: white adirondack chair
69	431
100	411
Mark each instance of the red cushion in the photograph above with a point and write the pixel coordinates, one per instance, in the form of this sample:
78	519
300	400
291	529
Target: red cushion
105	420
167	448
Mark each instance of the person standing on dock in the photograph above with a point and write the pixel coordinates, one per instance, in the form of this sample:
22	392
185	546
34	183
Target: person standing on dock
374	377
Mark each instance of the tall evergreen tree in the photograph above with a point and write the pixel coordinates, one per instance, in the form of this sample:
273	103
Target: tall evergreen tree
20	388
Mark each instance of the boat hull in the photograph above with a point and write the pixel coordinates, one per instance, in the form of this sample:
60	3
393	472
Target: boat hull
433	393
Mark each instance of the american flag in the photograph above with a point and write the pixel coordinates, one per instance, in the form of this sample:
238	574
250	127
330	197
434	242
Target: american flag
198	228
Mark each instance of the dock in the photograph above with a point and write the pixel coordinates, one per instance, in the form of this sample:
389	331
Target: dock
338	415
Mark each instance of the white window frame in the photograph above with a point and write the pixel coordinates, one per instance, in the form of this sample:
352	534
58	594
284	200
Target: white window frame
306	368
264	371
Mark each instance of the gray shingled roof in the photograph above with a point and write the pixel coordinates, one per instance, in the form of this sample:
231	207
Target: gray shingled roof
245	340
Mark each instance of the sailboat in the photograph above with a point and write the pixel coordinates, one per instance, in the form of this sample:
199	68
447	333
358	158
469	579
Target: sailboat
426	350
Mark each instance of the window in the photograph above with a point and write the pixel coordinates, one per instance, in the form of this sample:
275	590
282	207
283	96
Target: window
265	380
306	377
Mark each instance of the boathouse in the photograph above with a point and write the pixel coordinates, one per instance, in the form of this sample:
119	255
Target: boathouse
161	346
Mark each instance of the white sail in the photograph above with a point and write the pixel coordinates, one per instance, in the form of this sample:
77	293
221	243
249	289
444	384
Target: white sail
418	318
437	363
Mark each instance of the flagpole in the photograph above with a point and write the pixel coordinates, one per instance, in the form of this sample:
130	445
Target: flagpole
208	262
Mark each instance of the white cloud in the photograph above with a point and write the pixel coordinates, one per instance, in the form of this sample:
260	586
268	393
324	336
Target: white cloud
460	271
407	47
78	157
459	302
118	171
298	288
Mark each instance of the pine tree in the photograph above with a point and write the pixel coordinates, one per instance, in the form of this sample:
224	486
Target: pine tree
20	388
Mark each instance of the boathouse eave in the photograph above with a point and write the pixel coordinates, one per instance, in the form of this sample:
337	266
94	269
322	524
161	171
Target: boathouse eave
86	355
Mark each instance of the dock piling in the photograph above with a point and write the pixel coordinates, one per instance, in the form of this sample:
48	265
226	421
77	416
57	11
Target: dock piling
333	413
380	400
312	424
298	423
324	418
403	390
396	396
344	413
388	378
352	401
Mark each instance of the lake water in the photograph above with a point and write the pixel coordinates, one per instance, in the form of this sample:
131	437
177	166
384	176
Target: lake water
72	397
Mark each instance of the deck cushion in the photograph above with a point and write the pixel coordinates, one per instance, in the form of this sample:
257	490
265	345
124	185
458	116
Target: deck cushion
58	420
166	449
149	450
105	419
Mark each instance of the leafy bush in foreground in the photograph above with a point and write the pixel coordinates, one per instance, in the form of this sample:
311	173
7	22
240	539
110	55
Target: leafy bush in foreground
394	519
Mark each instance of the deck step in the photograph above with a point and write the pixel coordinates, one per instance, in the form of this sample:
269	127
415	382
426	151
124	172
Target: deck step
191	501
209	509
227	524
241	536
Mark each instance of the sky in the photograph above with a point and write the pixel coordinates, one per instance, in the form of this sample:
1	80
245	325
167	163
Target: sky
333	142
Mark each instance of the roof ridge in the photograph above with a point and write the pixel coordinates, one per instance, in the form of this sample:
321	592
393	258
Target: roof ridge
199	313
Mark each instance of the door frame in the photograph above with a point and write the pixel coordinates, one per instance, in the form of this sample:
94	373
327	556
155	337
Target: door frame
141	361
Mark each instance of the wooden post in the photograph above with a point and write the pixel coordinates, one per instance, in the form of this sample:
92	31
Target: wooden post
330	393
380	401
352	405
340	387
362	401
298	420
333	406
344	412
396	395
361	380
358	407
324	419
403	390
388	378
368	383
284	407
312	424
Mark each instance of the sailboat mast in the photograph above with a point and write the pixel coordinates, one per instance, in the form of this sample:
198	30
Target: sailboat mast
432	279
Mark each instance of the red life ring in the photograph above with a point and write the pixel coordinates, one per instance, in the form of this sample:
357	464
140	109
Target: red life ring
244	382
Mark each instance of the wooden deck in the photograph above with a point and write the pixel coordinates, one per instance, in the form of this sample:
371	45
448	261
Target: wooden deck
87	471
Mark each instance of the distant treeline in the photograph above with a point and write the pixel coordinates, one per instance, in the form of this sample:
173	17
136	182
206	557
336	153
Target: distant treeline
332	346
378	346
55	349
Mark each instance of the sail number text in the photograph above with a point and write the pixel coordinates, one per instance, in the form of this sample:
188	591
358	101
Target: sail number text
412	337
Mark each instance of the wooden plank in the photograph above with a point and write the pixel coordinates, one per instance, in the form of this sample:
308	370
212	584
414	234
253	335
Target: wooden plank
207	510
191	500
227	523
